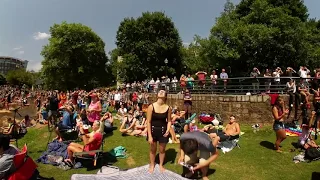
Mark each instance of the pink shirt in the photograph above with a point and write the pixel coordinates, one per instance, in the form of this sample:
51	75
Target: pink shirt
93	116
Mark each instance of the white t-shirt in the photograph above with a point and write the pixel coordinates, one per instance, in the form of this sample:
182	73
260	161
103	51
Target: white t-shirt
303	73
277	76
117	97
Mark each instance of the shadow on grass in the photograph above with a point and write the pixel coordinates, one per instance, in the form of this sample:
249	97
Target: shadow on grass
198	174
267	144
171	155
315	176
106	159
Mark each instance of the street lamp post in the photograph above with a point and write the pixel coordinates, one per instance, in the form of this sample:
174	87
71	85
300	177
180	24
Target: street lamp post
166	62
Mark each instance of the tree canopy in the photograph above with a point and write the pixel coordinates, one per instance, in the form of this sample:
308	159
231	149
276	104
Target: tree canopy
144	43
263	34
75	57
21	77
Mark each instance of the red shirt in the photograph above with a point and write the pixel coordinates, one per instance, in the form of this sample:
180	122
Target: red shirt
201	76
95	144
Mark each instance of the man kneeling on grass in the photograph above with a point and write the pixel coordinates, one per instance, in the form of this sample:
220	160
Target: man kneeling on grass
92	141
190	143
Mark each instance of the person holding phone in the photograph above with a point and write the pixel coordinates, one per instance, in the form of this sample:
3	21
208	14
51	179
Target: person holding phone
279	112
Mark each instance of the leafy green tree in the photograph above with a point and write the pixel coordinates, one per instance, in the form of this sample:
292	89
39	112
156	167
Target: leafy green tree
21	77
264	34
2	79
144	44
74	57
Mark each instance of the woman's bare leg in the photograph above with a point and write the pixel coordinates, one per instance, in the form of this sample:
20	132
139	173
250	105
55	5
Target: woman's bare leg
152	155
162	155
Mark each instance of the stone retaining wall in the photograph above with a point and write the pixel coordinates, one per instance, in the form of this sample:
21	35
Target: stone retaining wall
247	109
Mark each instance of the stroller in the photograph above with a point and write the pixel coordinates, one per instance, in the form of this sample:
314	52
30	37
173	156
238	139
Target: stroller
205	118
180	123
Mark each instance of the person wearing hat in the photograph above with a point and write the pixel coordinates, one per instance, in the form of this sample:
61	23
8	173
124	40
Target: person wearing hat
94	109
305	138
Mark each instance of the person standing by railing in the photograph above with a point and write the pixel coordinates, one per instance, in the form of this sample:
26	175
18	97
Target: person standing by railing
201	78
276	74
224	77
255	82
214	78
183	83
190	82
187	103
174	82
267	77
291	90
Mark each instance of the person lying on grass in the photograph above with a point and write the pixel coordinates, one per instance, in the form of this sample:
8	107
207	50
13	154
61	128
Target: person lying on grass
92	141
232	130
190	144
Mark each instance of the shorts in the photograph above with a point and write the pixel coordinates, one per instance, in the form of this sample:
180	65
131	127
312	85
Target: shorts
157	134
222	136
278	126
194	159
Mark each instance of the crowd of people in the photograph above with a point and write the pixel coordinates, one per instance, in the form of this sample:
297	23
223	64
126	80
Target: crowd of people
137	116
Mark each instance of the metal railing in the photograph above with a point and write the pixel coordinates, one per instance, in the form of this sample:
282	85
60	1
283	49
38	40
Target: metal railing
239	85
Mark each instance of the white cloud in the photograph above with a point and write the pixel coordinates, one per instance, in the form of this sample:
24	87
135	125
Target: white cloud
41	36
186	43
20	52
17	48
34	65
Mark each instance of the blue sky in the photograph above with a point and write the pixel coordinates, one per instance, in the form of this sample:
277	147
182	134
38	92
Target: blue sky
24	24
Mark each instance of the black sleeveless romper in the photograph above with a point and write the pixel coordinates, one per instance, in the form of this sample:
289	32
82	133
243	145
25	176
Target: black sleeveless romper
159	126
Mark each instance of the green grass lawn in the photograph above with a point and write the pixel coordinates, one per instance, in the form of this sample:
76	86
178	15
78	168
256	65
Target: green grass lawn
252	161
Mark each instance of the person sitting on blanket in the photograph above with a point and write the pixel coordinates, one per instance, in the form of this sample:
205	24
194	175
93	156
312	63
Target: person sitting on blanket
92	141
128	125
305	138
232	130
65	123
190	143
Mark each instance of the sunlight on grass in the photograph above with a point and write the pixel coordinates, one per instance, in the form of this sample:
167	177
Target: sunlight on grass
252	161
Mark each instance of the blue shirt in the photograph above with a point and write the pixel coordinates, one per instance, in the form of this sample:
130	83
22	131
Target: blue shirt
66	121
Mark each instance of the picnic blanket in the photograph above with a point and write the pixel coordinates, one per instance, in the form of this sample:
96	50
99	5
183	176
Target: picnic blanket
131	174
55	150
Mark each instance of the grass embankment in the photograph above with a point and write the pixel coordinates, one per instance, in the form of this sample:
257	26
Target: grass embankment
255	160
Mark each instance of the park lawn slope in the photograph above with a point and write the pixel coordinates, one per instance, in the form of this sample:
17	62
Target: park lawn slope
254	160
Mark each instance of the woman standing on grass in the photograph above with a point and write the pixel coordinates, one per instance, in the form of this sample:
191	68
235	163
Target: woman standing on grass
158	125
279	112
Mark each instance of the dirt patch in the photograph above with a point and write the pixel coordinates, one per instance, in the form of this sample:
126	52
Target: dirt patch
131	161
30	110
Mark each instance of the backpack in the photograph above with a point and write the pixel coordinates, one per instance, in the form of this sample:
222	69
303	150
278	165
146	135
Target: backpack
119	152
312	153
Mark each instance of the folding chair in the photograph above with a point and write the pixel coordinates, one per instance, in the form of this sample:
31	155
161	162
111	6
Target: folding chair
91	155
25	166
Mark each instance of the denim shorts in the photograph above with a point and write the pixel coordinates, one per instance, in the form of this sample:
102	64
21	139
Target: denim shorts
278	126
